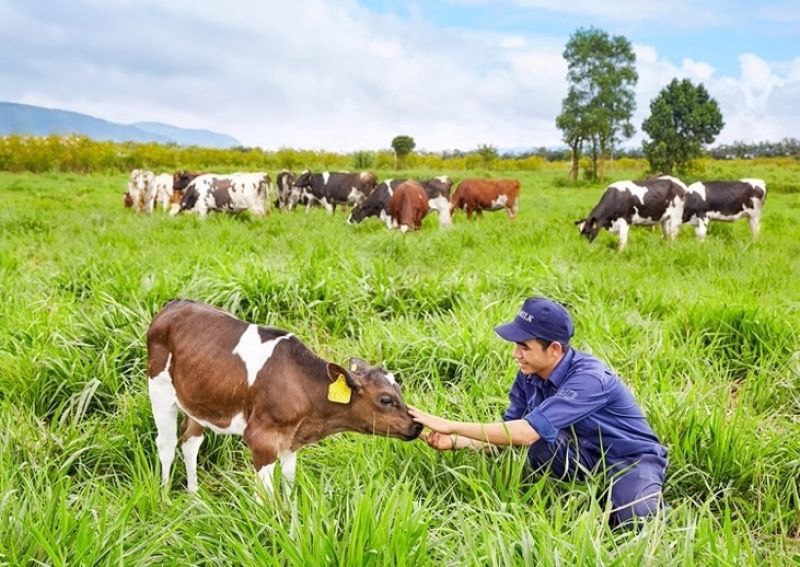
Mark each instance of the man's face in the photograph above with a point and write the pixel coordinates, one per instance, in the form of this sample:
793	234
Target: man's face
533	358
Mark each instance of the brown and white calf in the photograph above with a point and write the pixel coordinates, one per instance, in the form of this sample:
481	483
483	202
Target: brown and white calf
141	190
262	383
477	195
408	205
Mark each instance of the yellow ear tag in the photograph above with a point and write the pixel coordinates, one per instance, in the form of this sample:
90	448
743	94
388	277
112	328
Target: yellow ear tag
339	391
354	367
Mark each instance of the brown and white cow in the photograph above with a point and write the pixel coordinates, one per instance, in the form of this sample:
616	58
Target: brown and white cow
377	202
724	201
478	195
657	200
408	205
262	383
231	193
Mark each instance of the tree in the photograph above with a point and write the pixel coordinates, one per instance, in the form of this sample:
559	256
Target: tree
488	154
402	146
682	118
600	102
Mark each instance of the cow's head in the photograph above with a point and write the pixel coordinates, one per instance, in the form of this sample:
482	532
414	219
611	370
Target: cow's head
304	179
128	200
588	227
376	404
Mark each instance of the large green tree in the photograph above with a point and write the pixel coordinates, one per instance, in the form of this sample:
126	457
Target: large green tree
402	146
600	101
682	118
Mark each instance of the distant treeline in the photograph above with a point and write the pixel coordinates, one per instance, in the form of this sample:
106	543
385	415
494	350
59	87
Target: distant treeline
80	154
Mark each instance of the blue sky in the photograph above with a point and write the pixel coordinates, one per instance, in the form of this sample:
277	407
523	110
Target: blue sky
351	74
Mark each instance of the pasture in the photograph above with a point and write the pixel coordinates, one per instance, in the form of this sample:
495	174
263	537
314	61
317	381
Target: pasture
705	334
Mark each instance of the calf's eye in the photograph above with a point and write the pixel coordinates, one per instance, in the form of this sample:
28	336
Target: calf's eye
386	400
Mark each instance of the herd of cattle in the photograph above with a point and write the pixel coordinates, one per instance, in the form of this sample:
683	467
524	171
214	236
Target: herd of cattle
403	203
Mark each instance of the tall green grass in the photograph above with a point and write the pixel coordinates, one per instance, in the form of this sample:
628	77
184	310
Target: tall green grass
705	334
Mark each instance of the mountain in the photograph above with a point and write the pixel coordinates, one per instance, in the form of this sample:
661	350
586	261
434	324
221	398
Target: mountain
38	121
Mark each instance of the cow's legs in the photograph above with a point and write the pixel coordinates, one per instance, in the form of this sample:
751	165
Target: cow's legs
165	414
512	211
755	223
191	439
264	451
701	228
622	230
669	228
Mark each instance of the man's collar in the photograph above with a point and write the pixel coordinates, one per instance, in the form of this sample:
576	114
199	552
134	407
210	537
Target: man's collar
558	374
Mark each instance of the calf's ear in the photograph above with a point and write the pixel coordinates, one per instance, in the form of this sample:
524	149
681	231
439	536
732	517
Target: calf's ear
335	371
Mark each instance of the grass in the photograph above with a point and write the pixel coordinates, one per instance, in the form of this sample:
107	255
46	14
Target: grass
705	334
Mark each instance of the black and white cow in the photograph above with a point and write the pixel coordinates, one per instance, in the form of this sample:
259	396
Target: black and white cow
377	203
288	194
658	200
332	188
230	193
724	201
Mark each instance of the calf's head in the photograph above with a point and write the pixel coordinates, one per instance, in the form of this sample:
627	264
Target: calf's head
375	405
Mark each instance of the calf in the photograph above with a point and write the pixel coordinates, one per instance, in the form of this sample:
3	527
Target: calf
658	200
377	202
232	193
408	206
477	195
261	383
330	189
724	201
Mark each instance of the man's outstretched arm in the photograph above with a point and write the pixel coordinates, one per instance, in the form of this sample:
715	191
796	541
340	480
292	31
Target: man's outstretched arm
514	432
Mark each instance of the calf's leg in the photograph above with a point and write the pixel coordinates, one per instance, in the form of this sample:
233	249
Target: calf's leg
191	439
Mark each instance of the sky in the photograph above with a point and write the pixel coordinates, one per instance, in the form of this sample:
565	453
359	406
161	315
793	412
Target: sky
350	75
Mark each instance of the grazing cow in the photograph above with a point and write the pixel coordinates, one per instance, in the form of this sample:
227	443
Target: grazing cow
332	188
259	382
141	190
162	193
724	201
232	193
658	200
377	202
477	195
408	206
180	180
288	194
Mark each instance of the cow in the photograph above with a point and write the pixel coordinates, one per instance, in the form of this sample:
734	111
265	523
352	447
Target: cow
657	200
141	190
724	201
478	195
232	193
262	383
162	190
377	202
332	188
180	180
408	205
288	194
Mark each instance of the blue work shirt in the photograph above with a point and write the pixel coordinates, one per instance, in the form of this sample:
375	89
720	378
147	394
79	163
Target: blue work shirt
583	394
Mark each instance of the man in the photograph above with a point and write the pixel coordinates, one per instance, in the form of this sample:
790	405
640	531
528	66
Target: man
573	412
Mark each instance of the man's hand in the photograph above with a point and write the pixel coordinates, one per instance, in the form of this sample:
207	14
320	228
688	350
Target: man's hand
432	422
439	441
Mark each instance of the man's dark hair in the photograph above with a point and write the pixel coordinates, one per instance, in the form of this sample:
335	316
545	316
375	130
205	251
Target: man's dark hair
546	343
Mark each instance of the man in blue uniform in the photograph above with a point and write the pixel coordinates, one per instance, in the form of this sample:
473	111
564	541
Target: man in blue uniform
573	412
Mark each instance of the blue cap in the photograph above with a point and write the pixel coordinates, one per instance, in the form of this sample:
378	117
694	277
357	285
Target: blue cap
538	318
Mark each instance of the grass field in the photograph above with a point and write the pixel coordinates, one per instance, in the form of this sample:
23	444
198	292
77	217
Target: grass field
705	334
